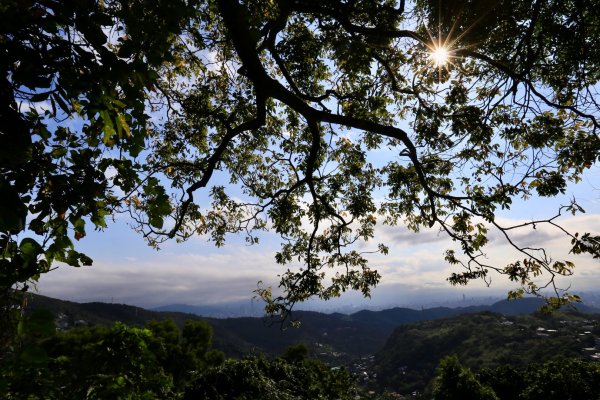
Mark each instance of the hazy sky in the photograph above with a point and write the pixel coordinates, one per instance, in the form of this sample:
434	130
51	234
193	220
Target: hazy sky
126	270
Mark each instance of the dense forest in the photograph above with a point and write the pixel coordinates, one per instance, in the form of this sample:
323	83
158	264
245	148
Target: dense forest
157	361
78	351
409	359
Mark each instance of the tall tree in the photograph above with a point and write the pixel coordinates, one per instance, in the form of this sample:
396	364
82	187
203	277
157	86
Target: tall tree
75	78
476	103
453	382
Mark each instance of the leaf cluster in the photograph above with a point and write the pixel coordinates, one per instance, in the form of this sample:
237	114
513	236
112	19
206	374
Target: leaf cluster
318	121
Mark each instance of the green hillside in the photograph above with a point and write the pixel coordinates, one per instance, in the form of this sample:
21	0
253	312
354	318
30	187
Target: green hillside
408	344
336	338
408	360
333	337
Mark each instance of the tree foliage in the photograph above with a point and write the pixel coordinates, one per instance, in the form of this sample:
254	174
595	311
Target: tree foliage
159	361
122	362
259	378
557	379
488	341
73	91
453	382
91	363
326	117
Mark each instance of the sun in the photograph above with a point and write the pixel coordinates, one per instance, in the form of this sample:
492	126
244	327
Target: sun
439	56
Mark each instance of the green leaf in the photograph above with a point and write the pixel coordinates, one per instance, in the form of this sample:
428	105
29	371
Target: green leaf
108	127
122	125
30	250
59	152
79	227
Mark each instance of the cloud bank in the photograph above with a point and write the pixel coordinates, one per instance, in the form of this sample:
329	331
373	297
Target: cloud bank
127	271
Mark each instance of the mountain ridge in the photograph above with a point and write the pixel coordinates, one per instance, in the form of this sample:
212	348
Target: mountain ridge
330	336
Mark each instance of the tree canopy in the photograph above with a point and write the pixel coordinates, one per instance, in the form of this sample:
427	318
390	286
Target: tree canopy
324	118
158	361
558	379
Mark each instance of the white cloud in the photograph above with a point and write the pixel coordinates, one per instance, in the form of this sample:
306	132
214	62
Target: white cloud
418	258
127	271
166	277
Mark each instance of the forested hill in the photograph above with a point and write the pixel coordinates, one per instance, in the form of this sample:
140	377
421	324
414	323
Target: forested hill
329	336
408	361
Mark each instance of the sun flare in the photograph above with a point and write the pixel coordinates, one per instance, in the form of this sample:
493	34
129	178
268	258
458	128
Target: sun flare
439	56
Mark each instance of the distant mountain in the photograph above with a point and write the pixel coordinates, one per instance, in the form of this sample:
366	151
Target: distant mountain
227	310
329	336
355	335
97	313
530	305
392	318
334	337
